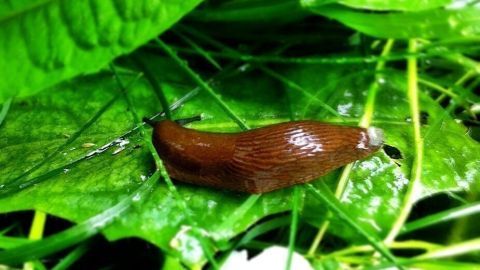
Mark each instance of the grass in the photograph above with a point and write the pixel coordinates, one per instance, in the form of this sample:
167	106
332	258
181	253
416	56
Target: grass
375	213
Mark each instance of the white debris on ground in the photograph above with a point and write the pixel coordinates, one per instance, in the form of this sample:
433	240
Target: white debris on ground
272	258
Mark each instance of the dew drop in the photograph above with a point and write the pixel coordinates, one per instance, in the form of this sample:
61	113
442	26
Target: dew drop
88	145
136	198
243	68
22	186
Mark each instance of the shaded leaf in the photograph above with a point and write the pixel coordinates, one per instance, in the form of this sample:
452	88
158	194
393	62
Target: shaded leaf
412	5
265	11
436	23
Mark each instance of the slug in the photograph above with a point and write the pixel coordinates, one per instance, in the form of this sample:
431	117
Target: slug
264	159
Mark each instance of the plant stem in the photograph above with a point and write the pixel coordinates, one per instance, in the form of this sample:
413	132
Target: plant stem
4	110
164	174
364	122
293	227
405	245
466	247
184	65
469	74
324	196
374	86
36	233
414	188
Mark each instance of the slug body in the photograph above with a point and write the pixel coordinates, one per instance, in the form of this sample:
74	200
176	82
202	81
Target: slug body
263	159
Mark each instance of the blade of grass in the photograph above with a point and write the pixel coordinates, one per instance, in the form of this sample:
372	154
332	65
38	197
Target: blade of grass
332	83
183	64
253	198
300	89
293	226
439	88
314	60
263	228
444	216
78	233
36	233
326	197
462	60
38	225
404	245
465	247
442	43
425	263
258	245
167	49
442	252
414	187
374	86
73	256
201	36
4	111
460	227
342	183
7	242
265	69
364	122
468	75
152	80
199	49
239	212
160	168
253	233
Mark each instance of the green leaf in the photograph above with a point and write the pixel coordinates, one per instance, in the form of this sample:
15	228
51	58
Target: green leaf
83	231
46	42
411	5
95	184
373	197
332	203
377	184
436	23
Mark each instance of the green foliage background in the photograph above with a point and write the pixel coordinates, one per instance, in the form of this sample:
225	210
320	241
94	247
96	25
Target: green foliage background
64	101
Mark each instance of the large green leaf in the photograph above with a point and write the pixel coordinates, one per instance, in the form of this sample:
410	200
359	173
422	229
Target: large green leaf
435	23
45	42
376	189
97	183
412	5
38	125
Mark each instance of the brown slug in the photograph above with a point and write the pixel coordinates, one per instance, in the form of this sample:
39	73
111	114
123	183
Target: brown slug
264	159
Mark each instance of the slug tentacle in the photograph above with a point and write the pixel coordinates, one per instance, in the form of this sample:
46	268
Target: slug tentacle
263	159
